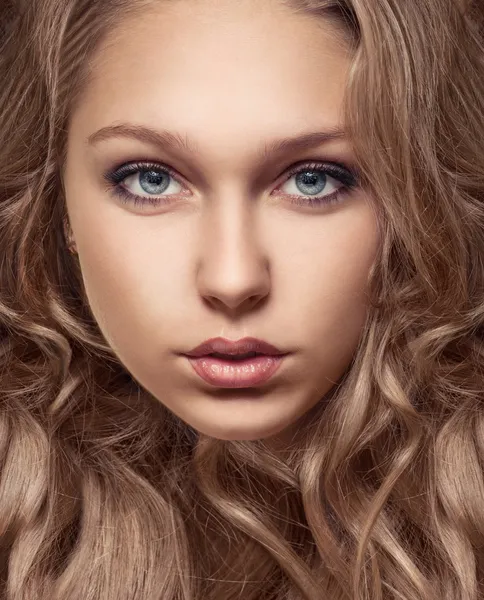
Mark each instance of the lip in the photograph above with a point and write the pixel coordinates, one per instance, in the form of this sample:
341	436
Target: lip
244	373
243	346
240	373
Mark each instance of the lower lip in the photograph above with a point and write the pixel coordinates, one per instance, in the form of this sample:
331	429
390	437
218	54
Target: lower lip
236	374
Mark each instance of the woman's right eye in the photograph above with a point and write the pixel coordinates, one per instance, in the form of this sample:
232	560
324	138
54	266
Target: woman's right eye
151	179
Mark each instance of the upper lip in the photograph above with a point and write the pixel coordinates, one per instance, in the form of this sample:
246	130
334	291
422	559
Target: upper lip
224	346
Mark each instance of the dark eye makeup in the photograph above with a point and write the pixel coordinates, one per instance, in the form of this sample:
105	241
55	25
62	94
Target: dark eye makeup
347	177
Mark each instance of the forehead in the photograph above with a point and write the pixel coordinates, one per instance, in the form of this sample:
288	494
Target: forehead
227	66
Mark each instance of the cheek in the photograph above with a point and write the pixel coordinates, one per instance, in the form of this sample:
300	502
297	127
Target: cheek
129	292
330	326
334	306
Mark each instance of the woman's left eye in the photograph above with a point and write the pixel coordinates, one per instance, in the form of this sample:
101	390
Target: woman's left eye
312	179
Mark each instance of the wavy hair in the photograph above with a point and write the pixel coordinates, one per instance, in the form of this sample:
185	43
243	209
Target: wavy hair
106	495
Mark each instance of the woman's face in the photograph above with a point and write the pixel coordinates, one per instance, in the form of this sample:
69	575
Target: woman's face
234	248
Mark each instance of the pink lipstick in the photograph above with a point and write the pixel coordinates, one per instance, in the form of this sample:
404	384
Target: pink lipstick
245	363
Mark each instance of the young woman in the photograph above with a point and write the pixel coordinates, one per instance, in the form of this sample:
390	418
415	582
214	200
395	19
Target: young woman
259	371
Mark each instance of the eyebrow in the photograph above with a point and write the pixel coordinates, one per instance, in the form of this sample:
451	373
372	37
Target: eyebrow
164	138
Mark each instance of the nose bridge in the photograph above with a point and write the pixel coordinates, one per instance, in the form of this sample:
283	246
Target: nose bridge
233	266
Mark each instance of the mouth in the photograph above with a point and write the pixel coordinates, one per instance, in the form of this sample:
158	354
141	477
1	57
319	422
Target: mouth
243	363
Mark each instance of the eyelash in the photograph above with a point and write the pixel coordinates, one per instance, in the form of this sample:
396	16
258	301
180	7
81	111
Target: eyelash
346	176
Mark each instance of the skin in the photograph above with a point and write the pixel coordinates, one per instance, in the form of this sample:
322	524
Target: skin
232	255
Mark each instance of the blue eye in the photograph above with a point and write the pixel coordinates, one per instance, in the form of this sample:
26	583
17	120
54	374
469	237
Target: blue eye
150	178
312	179
315	178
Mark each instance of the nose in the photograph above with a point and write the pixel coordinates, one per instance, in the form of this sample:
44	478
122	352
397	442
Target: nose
233	270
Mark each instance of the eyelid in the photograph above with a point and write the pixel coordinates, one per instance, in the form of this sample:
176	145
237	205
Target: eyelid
344	174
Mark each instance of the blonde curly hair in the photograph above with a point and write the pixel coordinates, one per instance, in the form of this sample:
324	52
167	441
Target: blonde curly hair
106	495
